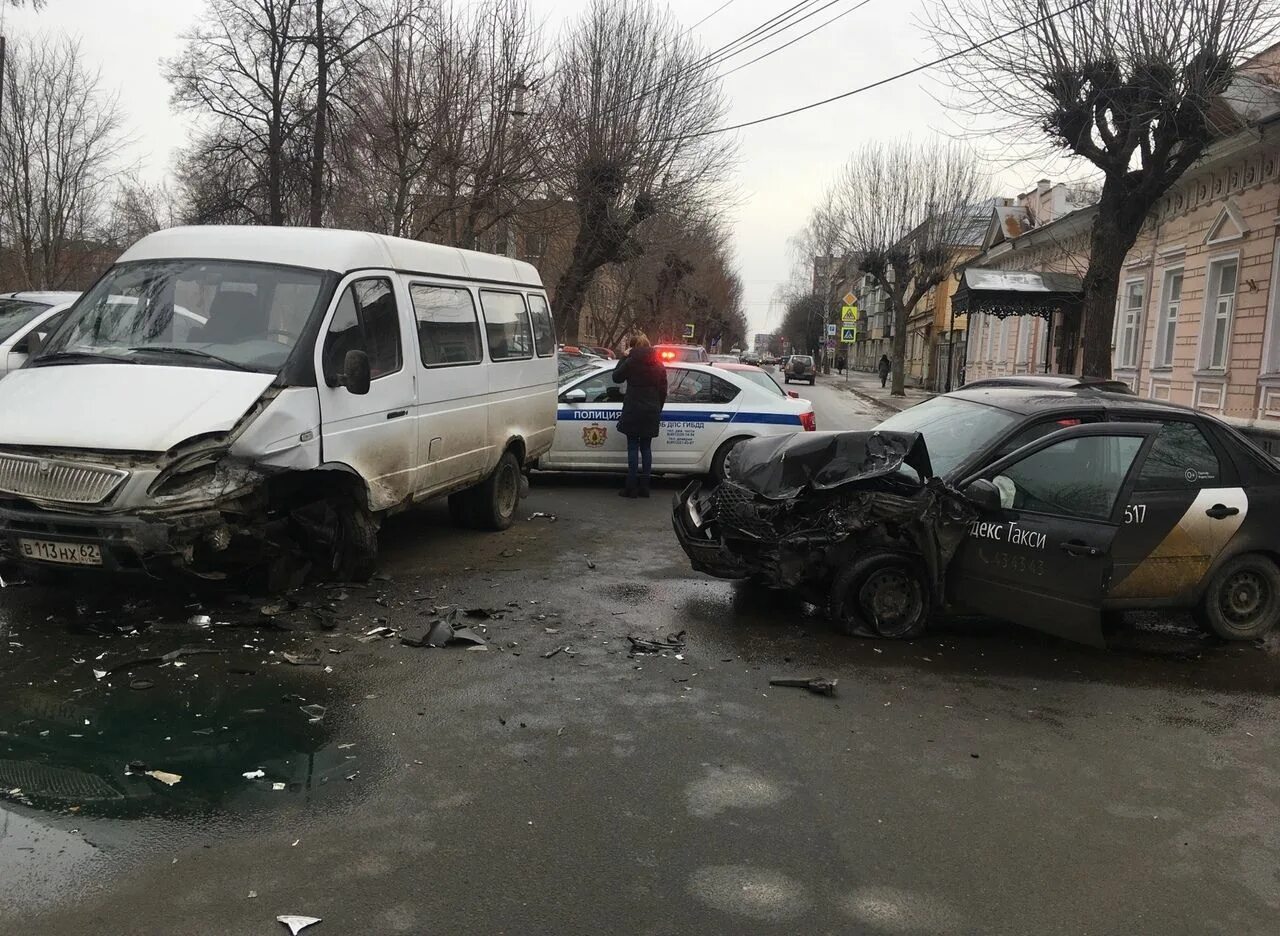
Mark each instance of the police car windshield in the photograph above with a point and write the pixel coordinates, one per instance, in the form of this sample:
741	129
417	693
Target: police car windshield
952	429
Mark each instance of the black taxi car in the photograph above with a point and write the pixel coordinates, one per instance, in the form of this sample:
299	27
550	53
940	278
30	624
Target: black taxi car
1089	502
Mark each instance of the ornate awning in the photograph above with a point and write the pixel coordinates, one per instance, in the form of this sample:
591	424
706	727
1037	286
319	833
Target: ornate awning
1002	293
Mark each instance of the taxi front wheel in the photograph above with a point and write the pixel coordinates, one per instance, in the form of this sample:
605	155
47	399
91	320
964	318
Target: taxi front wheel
1243	599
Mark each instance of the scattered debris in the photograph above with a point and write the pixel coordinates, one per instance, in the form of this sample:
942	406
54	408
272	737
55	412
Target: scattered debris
314	711
297	924
138	768
483	613
200	620
277	787
100	674
273	610
301	659
817	685
673	643
254	774
550	653
381	632
140	684
543	515
441	634
169	657
590	564
253	895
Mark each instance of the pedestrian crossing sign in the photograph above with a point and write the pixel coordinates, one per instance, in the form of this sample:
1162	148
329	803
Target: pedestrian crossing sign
848	334
688	329
849	313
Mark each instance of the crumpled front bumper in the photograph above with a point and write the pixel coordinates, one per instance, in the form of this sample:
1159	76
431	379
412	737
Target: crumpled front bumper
127	543
705	550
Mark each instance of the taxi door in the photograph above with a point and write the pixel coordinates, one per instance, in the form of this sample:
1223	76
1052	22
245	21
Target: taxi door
1185	507
1044	558
700	406
587	433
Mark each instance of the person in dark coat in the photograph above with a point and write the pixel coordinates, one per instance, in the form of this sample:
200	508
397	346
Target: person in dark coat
883	369
646	381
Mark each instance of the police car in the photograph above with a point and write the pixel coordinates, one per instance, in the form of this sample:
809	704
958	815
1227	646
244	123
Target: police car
709	410
1097	502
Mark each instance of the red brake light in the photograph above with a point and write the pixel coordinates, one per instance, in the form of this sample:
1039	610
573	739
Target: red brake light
668	355
810	421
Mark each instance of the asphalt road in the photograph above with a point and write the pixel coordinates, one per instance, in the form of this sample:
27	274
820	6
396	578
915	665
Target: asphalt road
981	780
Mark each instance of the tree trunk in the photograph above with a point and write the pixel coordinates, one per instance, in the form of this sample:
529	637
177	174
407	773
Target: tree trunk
1115	229
899	346
322	120
571	293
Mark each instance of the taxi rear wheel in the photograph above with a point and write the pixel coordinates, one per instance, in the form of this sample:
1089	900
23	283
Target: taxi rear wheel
1243	600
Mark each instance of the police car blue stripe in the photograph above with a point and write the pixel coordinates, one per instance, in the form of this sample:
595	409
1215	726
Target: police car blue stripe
604	415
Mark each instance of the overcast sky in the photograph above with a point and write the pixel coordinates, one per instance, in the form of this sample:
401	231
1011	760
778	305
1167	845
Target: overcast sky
784	163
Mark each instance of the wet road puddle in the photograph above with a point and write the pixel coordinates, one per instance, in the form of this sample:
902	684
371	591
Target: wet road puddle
146	710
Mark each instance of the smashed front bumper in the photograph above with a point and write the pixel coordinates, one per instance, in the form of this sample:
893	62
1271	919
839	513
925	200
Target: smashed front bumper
125	542
697	538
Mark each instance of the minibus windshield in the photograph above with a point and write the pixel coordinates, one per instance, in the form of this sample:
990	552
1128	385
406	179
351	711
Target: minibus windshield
197	313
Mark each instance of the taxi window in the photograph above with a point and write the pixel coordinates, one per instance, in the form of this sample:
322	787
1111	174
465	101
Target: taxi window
1072	478
602	389
1039	430
1180	459
689	386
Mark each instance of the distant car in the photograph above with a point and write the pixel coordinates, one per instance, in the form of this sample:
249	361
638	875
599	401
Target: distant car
750	357
709	411
682	354
756	376
1050	382
23	314
724	359
800	367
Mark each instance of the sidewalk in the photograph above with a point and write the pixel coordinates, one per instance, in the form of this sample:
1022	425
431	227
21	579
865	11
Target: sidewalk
867	387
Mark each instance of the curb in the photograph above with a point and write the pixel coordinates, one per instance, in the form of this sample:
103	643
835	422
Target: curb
865	397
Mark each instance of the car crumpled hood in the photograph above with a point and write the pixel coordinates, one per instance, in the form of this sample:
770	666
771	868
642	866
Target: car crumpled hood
780	467
122	407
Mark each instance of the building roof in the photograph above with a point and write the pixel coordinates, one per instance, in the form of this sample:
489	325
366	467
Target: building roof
325	249
977	278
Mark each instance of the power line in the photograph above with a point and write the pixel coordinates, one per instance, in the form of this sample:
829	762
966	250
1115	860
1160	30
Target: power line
875	84
707	17
823	25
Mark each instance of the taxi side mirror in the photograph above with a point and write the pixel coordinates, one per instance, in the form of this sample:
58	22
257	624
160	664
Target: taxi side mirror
575	396
984	495
356	373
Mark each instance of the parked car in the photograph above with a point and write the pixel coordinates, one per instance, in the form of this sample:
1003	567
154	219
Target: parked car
1050	382
28	315
683	354
604	353
757	376
750	357
1069	507
723	359
709	412
800	367
328	387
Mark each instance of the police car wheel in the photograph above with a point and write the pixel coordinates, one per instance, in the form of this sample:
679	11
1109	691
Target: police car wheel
722	462
883	595
1243	600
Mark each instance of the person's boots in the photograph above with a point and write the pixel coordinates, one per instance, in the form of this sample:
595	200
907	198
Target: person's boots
644	487
628	491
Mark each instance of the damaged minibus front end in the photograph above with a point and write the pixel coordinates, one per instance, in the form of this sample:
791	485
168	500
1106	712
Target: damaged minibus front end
853	521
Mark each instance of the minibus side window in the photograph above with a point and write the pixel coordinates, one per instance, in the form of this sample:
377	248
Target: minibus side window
365	320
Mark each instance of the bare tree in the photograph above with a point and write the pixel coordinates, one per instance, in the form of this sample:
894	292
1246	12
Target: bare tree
903	209
441	146
630	121
60	135
138	208
245	68
1129	85
35	5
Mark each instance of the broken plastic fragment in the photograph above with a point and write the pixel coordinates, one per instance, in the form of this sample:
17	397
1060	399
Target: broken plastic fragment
297	924
542	515
99	674
301	659
817	685
313	711
200	620
277	787
254	774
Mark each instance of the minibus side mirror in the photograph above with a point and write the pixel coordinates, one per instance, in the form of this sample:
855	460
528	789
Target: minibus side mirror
356	374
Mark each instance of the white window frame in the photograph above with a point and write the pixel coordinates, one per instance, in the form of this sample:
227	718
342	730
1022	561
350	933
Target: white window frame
1271	345
988	336
1170	310
1211	313
1004	341
1025	324
1129	324
1042	343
